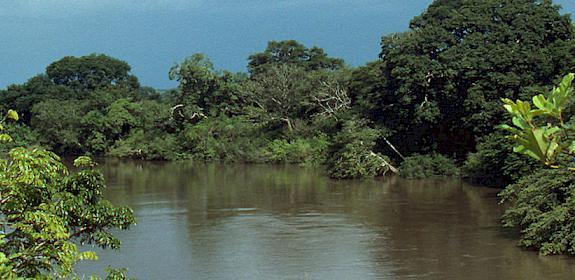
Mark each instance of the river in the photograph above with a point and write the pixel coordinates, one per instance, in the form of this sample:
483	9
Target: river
220	221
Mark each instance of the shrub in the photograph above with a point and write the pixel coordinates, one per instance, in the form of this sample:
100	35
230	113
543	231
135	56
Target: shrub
21	136
354	161
542	206
495	164
352	156
140	144
428	166
224	139
310	151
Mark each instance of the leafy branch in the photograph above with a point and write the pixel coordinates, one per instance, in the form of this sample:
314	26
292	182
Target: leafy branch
541	132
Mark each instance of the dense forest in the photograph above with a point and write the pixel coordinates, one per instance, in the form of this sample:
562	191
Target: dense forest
429	106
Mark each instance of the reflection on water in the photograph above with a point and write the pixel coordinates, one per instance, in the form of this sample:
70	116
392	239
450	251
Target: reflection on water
200	221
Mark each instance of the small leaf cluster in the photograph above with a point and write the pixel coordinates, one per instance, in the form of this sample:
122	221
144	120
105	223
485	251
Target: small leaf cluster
11	115
541	132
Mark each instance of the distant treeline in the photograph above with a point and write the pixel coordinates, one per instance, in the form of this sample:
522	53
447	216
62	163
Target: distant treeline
432	98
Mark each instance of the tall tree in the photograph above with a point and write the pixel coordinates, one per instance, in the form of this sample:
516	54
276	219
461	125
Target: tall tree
292	52
203	91
443	79
37	89
91	72
279	94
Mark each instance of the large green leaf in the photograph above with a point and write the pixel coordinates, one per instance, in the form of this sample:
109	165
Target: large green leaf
538	143
13	115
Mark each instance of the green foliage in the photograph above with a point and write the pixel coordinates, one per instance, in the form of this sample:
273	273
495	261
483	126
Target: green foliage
293	53
541	206
121	116
353	162
224	139
278	95
212	115
541	132
495	164
58	122
21	135
329	94
311	151
22	98
204	92
440	83
91	72
197	81
290	83
351	153
46	210
141	144
366	86
11	115
117	274
428	166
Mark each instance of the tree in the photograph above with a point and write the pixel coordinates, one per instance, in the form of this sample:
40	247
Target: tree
330	94
91	72
366	86
121	116
279	94
59	123
293	53
203	91
37	89
442	79
44	210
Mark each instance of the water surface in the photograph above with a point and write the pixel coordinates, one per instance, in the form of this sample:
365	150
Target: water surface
198	221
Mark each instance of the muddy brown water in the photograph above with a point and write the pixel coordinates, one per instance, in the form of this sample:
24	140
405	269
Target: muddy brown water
213	221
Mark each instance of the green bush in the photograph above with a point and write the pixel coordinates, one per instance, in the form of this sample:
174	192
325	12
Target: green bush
542	206
351	153
495	164
224	139
21	135
311	151
428	166
143	145
354	161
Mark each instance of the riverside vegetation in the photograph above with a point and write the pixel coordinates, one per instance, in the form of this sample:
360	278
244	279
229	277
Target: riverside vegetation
46	210
430	106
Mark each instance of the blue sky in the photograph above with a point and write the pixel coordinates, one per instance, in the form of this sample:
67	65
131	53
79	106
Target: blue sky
152	35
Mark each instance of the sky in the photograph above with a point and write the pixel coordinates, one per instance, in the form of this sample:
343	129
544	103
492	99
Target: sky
153	35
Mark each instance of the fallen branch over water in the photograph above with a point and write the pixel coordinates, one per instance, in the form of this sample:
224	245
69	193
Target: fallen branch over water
386	164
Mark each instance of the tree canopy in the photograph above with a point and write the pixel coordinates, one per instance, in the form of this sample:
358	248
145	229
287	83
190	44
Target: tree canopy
91	72
292	52
203	91
442	80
